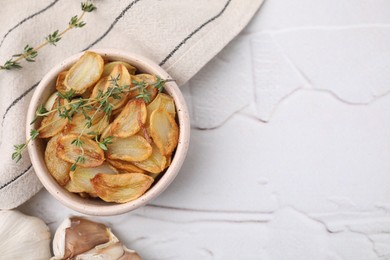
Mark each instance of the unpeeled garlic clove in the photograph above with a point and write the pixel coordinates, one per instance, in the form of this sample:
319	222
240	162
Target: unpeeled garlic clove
81	239
78	235
23	237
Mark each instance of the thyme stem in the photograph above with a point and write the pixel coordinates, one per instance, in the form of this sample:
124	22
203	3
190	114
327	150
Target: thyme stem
33	52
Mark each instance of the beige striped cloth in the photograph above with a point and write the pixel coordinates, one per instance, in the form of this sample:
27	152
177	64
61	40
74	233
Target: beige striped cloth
181	36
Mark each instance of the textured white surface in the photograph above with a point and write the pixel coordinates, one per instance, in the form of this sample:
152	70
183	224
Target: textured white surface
289	157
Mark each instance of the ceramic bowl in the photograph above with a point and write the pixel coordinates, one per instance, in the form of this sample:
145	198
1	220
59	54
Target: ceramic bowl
97	207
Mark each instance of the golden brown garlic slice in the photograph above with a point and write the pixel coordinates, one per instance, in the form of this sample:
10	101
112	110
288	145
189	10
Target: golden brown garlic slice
90	150
53	123
121	188
147	79
106	132
108	67
106	84
155	163
130	120
80	179
57	167
133	148
124	81
162	101
101	86
84	73
164	131
60	82
125	166
79	120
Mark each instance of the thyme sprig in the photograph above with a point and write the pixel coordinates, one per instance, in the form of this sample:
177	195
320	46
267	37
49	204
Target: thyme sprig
19	148
143	93
80	159
80	105
30	53
53	38
106	141
10	65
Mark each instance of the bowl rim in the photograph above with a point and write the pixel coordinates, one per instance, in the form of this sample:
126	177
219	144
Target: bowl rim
104	208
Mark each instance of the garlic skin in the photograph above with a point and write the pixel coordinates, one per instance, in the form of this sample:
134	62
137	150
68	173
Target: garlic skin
130	255
81	239
23	237
59	239
110	251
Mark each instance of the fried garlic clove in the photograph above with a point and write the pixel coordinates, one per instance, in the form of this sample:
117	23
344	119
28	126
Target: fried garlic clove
130	120
121	188
149	80
50	101
101	86
169	161
106	84
80	178
133	148
106	132
84	73
57	167
108	67
164	131
60	82
98	124
162	101
53	123
155	163
124	166
124	81
68	151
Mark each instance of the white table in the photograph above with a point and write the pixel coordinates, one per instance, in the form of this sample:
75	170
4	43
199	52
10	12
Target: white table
290	146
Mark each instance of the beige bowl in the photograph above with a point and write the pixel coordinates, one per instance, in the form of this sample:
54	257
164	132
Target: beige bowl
36	148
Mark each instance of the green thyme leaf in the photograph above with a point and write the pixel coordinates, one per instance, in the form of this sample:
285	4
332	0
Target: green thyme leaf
87	7
11	64
34	134
19	148
77	142
68	95
53	38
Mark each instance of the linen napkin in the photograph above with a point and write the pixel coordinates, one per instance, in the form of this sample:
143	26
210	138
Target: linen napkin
181	36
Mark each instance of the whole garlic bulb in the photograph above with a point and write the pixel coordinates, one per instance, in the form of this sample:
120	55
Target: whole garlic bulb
23	237
81	239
